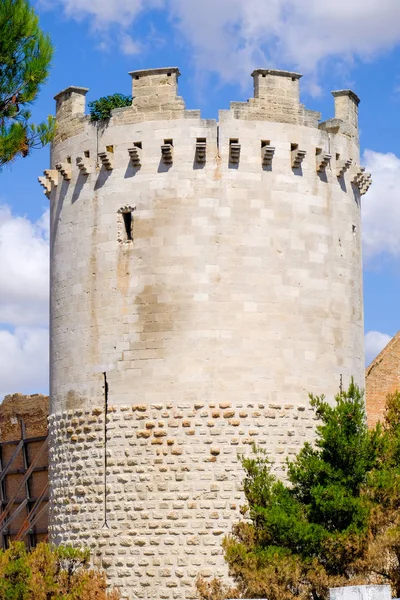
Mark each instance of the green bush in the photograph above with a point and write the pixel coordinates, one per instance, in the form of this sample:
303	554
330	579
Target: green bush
50	573
334	522
100	110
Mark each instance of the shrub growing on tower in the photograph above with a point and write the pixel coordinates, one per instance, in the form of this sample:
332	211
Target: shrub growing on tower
100	110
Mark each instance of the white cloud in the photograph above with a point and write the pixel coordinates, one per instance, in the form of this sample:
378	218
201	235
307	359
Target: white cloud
374	342
24	360
232	36
381	206
24	301
128	45
24	269
104	12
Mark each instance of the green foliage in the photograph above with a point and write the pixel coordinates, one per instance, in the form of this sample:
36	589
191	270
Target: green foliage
50	573
25	57
100	110
336	519
328	479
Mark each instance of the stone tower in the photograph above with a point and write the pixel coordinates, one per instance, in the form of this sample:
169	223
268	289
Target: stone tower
205	277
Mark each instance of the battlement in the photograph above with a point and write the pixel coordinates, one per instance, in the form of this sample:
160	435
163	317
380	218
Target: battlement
72	97
279	91
272	131
162	81
155	97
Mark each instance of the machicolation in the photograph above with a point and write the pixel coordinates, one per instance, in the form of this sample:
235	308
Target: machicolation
205	277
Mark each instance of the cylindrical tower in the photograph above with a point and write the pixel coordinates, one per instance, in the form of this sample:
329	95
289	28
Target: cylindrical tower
205	277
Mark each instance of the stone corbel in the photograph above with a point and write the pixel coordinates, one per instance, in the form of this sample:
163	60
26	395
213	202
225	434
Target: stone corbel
135	157
267	154
234	153
342	166
362	180
201	152
323	161
106	160
366	184
46	185
64	171
52	176
297	157
126	209
83	165
167	153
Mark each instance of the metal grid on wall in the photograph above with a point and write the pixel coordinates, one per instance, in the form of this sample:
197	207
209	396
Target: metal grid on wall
24	489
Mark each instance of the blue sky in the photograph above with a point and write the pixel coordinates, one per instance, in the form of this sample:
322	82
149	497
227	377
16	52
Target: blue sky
216	44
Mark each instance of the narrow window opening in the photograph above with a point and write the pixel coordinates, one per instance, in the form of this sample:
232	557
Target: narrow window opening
294	147
137	77
138	145
263	74
169	74
318	151
86	154
128	221
233	141
354	229
169	142
201	140
110	148
337	156
265	143
293	78
69	160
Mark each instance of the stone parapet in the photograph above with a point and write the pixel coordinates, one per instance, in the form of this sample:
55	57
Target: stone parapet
155	97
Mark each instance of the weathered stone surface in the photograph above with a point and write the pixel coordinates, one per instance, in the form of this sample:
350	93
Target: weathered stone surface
228	293
154	496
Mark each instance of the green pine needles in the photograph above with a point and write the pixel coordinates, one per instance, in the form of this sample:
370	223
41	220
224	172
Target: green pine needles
50	573
100	110
25	56
334	522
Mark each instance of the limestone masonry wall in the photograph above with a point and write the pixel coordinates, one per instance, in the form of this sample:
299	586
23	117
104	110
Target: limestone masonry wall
205	277
172	485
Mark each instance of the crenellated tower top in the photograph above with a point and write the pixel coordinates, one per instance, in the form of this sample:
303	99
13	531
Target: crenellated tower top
275	104
155	97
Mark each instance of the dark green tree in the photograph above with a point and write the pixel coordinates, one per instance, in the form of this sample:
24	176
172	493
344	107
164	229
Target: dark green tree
334	521
100	110
25	57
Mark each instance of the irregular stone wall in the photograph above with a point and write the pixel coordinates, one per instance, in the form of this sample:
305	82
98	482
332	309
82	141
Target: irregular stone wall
172	487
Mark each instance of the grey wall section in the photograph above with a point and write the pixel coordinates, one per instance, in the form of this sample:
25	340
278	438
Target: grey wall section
239	294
